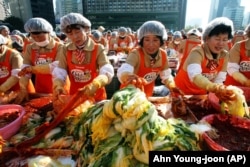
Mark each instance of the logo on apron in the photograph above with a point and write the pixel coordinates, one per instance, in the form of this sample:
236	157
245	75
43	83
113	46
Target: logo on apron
150	77
245	66
81	75
4	72
43	60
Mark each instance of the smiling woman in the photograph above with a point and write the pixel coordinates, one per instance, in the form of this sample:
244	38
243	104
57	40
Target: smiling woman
148	61
204	69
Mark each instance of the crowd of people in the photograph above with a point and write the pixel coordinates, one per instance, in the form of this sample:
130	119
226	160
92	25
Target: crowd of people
77	60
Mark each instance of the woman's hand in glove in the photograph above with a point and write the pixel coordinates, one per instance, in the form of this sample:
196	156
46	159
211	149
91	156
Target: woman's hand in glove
58	101
57	92
130	79
89	90
224	94
25	70
175	90
247	83
2	93
21	97
137	81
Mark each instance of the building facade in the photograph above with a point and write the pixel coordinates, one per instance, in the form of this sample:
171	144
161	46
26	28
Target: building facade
63	7
4	10
112	14
26	9
230	9
235	14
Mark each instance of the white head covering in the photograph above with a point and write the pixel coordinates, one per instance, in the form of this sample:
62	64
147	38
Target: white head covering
129	30
177	34
73	18
3	40
240	32
152	27
194	31
38	24
2	27
97	34
216	22
114	33
101	28
122	30
16	32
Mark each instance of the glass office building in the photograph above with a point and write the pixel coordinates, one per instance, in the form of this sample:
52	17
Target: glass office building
132	13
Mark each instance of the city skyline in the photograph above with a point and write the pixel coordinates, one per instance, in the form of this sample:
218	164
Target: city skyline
199	16
198	11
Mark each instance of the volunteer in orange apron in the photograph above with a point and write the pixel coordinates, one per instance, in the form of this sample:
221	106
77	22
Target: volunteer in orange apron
5	32
193	39
112	41
10	64
169	39
205	67
98	38
40	57
26	41
83	60
108	35
177	38
148	60
123	40
239	62
132	36
238	36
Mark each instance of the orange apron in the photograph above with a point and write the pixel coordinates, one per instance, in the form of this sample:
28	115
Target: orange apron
81	75
183	82
6	68
43	82
148	73
126	41
6	73
237	38
188	47
26	42
244	66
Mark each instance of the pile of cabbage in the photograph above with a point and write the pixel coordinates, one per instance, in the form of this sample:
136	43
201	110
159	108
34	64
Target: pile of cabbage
118	132
122	131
